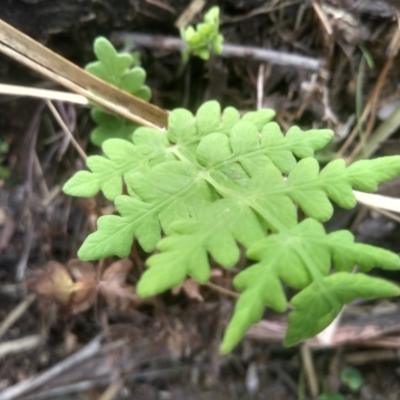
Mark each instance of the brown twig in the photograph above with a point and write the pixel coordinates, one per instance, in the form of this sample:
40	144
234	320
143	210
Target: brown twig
375	96
31	53
32	383
65	129
370	107
222	290
16	313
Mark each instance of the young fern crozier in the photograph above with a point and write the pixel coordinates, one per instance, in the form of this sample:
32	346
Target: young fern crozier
214	181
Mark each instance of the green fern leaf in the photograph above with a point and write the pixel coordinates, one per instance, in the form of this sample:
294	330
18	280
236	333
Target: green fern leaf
301	144
215	181
301	258
252	150
110	125
346	253
259	118
111	65
184	252
321	302
365	175
310	189
149	147
118	70
169	192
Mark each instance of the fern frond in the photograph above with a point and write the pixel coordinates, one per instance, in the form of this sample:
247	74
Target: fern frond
118	69
321	302
310	189
216	231
121	128
302	258
168	192
149	147
215	181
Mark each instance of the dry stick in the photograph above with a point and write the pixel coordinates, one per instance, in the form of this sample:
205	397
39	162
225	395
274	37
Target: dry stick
32	134
65	129
375	96
370	108
387	214
265	9
112	390
74	87
322	17
378	201
20	345
16	313
382	132
31	53
308	365
260	86
222	290
40	177
32	383
228	50
189	13
42	94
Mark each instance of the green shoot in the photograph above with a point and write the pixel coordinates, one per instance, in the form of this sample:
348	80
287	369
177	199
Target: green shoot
205	38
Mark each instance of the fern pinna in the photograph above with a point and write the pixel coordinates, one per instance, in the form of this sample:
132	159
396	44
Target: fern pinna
214	181
120	70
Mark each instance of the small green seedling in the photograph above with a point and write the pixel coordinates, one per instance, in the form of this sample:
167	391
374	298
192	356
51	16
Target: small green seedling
352	378
218	180
205	38
120	70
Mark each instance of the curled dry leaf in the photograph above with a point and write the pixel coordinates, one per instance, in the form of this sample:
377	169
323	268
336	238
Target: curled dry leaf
113	286
85	276
75	287
54	282
191	289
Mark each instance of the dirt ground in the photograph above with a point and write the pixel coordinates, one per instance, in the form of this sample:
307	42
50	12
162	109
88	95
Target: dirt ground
346	77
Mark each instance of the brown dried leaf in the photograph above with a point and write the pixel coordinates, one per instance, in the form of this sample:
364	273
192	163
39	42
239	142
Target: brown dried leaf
191	289
113	285
54	282
85	277
76	286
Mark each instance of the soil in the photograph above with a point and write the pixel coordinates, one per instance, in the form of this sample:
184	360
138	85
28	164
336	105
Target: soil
167	348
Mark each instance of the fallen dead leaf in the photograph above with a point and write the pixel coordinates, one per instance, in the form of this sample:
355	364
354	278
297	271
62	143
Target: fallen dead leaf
54	282
85	276
191	288
113	285
76	286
